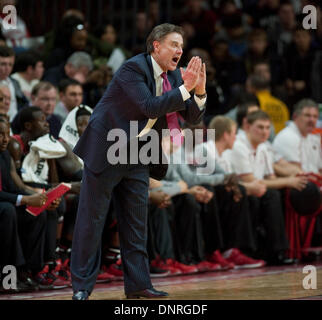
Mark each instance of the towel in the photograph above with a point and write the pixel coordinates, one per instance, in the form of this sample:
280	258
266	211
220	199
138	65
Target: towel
35	167
68	131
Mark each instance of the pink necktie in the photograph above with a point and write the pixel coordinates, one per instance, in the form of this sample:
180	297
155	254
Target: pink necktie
172	118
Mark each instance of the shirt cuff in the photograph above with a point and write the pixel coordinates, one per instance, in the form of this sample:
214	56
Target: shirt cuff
184	92
200	102
19	198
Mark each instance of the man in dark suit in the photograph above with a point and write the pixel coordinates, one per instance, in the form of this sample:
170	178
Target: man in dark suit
140	91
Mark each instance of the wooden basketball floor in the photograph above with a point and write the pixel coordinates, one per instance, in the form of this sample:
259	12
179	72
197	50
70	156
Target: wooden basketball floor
268	283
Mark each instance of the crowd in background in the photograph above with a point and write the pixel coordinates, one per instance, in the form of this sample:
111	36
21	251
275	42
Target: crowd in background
264	97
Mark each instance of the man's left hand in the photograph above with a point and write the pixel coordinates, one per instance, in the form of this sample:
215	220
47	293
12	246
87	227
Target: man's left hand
201	83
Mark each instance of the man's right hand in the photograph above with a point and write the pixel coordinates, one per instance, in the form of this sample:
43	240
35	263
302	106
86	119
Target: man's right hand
35	200
183	186
201	194
190	75
160	199
256	188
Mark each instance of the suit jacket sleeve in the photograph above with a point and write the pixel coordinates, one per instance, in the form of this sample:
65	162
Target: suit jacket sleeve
8	197
133	81
192	113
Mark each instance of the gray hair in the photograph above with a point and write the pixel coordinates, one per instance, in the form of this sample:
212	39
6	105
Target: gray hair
304	103
81	59
160	32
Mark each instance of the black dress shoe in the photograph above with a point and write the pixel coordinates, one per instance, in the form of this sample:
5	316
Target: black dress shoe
81	295
147	293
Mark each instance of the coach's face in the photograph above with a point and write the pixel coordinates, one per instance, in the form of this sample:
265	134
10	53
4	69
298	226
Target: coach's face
168	51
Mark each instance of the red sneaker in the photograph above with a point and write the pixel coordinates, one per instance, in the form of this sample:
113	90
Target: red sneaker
205	266
62	276
158	263
44	280
241	261
185	269
216	257
50	280
104	276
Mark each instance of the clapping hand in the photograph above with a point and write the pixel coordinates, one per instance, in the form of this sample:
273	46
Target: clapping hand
201	83
190	75
194	76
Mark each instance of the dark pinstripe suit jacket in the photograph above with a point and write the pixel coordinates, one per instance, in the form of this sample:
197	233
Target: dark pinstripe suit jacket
131	96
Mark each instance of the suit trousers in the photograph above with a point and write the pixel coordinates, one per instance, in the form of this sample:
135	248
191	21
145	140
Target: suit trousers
128	185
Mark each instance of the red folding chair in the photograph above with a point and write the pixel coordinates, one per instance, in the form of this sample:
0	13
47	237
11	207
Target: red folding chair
299	228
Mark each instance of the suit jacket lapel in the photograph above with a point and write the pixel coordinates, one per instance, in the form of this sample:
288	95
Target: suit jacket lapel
151	75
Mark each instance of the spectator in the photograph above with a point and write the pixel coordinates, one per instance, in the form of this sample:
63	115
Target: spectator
230	72
265	13
316	78
18	100
136	42
296	143
5	99
235	33
71	36
14	36
259	50
231	7
96	84
276	109
280	33
73	17
264	69
71	96
29	69
107	34
298	60
77	67
44	96
201	19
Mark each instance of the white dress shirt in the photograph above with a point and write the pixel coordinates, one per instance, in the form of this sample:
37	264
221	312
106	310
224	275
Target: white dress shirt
296	148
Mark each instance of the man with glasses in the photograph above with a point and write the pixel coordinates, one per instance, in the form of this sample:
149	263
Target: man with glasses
44	95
